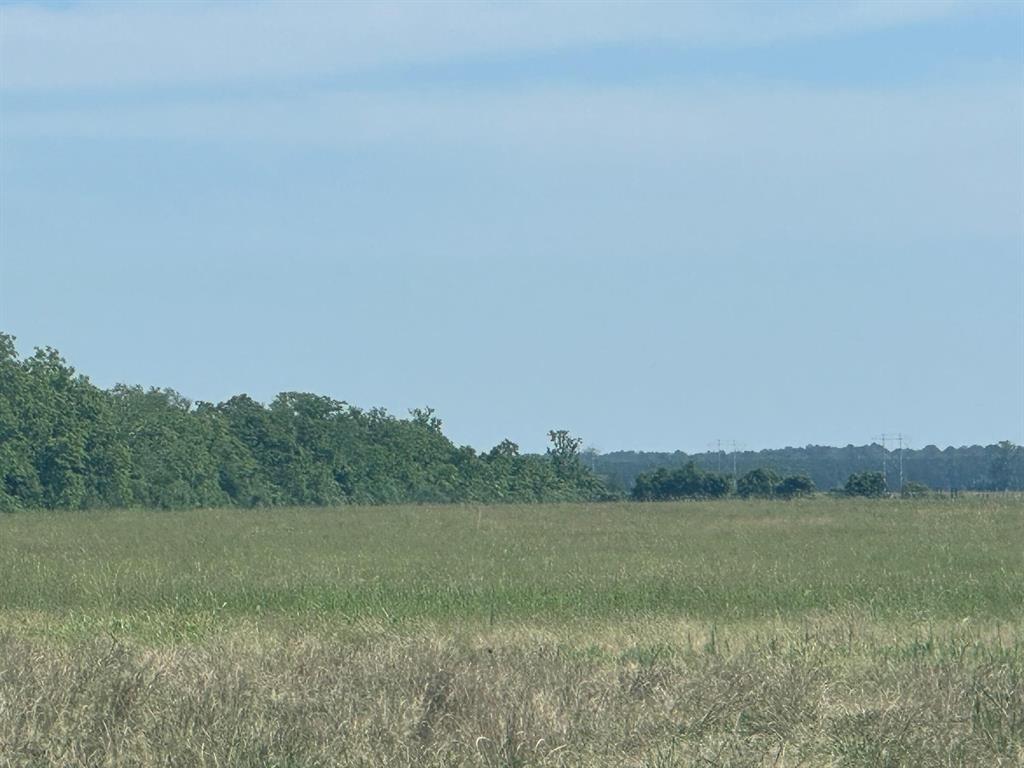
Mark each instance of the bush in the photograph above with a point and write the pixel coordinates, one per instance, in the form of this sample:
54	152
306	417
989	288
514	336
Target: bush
869	484
794	486
914	490
757	483
690	482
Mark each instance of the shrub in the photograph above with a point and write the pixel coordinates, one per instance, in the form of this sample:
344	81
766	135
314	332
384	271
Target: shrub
794	486
914	490
870	484
689	482
758	483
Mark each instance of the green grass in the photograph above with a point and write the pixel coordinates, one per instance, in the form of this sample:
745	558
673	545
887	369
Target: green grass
715	561
819	632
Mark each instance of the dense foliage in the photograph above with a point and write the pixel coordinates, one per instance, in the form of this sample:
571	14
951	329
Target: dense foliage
67	443
692	482
765	484
870	484
686	483
793	486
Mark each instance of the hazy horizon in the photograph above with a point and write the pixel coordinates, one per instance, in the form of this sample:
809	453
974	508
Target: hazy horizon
656	226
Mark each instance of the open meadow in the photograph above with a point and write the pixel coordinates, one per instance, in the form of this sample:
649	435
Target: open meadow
820	632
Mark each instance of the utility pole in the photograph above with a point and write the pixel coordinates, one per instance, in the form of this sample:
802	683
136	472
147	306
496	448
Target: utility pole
717	446
735	446
900	439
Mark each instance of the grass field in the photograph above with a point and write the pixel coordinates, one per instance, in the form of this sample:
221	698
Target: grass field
816	633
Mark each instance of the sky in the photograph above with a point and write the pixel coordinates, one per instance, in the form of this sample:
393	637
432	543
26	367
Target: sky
654	225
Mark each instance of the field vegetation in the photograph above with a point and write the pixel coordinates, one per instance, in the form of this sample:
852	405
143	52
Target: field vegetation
813	632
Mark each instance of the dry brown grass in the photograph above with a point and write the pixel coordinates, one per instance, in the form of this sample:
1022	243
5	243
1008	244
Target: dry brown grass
668	694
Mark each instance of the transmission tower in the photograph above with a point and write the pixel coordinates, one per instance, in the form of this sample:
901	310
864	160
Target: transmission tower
899	439
735	447
716	446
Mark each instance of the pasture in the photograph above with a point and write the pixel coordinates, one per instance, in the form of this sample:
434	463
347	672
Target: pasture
823	632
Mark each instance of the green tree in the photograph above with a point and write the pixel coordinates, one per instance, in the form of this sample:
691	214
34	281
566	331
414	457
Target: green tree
758	483
869	484
565	453
646	485
506	449
1001	468
66	443
687	482
58	442
20	432
794	486
171	445
564	447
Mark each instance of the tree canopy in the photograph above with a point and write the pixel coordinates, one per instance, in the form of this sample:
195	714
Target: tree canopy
689	482
66	443
870	484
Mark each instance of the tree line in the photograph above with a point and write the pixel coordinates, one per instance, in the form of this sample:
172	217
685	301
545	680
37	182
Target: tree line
692	482
66	443
995	467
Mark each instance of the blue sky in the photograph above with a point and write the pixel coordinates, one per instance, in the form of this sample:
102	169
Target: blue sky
654	225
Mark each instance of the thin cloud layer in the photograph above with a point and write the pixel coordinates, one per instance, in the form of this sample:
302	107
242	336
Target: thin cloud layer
104	45
892	161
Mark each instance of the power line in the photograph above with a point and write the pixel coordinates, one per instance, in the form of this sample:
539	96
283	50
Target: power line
716	446
899	438
735	447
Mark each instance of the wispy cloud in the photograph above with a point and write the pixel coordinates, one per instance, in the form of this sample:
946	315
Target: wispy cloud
836	160
104	45
899	158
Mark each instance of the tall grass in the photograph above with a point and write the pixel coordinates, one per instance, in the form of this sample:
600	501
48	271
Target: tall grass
824	632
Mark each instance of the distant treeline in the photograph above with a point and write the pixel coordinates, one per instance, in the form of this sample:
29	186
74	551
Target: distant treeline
65	443
692	482
982	468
